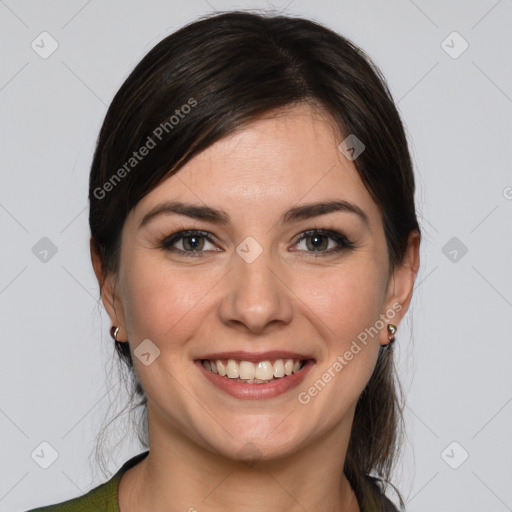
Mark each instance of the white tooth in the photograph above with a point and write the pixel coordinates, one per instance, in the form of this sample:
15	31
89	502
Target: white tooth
221	368
288	367
247	370
278	367
296	366
232	369
213	368
264	370
206	364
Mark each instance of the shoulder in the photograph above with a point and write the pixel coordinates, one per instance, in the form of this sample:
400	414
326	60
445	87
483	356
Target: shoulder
102	498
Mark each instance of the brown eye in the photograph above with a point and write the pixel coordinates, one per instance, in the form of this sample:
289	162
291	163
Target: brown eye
192	243
324	241
317	242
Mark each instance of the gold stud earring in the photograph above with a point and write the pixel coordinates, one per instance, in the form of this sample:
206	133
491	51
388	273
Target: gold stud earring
392	330
114	330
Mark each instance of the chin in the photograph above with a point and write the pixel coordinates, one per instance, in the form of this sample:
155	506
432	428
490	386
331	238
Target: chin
260	442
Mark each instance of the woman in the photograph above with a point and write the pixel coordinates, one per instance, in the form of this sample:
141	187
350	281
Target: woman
254	236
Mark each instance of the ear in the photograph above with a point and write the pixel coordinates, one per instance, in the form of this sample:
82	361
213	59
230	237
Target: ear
111	301
401	285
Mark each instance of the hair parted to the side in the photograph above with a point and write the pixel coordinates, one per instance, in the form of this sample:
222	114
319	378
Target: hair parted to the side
234	67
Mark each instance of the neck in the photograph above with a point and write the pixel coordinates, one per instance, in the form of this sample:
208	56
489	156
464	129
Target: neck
179	474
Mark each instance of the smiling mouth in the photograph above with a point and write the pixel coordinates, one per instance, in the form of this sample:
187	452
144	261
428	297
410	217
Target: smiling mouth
261	372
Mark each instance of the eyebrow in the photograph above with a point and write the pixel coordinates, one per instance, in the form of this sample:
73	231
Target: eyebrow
217	216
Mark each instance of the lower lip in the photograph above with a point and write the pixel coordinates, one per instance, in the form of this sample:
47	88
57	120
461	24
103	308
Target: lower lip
256	391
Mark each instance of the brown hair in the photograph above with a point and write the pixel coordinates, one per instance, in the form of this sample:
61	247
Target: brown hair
211	78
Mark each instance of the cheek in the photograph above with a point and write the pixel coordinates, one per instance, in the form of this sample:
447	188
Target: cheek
348	298
347	310
347	303
163	302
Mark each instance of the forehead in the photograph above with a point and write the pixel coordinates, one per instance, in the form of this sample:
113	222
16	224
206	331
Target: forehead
280	160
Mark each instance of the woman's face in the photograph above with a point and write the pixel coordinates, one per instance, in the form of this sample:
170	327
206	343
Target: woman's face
248	283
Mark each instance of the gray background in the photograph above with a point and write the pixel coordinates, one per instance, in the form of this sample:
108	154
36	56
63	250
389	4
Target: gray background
455	349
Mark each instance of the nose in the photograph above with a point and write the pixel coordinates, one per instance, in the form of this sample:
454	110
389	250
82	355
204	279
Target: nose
257	295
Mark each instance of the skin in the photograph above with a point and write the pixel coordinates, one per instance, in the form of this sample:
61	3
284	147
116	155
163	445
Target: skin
286	299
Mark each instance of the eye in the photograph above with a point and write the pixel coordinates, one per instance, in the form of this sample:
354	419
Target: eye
317	241
192	242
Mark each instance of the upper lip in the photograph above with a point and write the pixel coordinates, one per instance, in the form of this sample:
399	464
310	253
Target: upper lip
241	355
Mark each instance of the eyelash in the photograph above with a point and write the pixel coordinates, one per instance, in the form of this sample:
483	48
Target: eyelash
343	242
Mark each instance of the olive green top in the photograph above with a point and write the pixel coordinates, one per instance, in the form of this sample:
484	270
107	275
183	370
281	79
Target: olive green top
104	497
100	499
